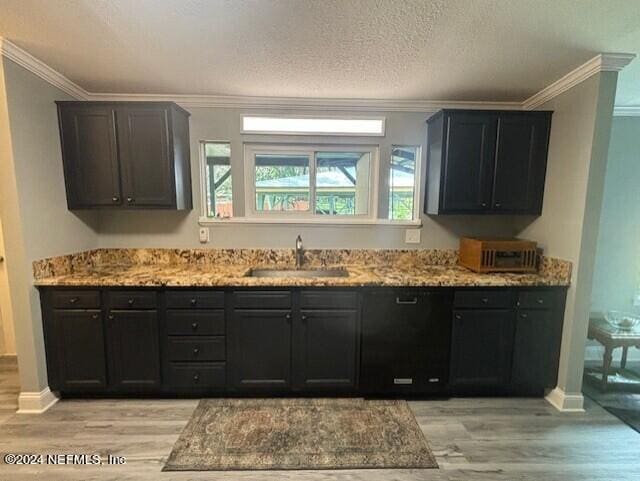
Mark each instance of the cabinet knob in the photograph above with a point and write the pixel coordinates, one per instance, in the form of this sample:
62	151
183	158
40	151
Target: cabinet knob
95	316
196	377
288	317
194	326
485	300
115	198
498	204
111	317
195	351
540	301
194	301
130	199
304	318
484	204
524	316
131	301
73	300
458	316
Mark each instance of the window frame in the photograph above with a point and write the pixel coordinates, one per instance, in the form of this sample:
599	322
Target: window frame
204	180
250	211
417	183
335	133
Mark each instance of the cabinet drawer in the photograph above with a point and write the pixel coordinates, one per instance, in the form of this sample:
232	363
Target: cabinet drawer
190	323
535	300
133	300
262	299
76	299
197	349
483	299
195	300
328	300
197	376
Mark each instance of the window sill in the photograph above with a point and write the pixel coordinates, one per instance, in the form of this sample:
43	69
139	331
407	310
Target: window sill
205	221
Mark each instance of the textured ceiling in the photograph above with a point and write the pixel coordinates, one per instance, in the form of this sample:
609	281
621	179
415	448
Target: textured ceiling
490	50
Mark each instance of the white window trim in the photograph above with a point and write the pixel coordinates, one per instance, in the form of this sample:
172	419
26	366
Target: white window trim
417	184
314	133
204	180
250	150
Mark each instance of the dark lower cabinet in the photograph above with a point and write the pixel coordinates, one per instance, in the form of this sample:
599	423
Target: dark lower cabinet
325	349
481	349
261	341
134	350
76	348
405	340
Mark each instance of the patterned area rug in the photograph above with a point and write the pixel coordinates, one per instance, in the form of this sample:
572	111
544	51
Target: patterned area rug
259	434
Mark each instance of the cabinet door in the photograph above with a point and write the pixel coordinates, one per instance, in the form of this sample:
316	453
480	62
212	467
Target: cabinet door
92	173
520	163
79	350
481	347
134	350
261	343
326	349
534	363
468	162
145	154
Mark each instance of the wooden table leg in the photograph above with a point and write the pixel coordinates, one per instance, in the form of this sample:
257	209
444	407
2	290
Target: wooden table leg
623	359
606	365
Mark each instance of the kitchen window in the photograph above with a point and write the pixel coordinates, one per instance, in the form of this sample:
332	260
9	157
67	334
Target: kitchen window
218	198
403	178
310	182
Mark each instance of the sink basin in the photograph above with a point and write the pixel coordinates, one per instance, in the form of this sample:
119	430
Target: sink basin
305	273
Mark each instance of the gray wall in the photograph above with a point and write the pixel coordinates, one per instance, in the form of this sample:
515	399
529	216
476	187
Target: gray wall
35	219
179	229
617	272
568	226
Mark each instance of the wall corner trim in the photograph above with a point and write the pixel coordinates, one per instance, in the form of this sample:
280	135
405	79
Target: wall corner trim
41	69
36	402
604	62
626	111
564	402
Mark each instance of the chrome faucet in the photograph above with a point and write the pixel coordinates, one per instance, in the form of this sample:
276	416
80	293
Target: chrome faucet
299	252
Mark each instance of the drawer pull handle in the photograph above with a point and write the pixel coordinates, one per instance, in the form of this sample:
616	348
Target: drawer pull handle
540	301
524	316
195	351
194	326
413	300
458	316
196	378
194	301
73	300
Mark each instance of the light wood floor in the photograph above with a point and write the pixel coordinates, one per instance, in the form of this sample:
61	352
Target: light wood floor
473	439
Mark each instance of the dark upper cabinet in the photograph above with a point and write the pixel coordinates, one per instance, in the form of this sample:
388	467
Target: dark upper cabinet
125	155
481	350
134	350
261	349
90	154
76	351
486	162
325	349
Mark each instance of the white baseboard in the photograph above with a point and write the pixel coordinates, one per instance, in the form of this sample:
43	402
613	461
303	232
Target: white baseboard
36	402
566	403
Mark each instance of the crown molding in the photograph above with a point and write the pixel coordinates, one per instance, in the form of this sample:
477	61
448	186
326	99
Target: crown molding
626	111
293	103
41	69
604	62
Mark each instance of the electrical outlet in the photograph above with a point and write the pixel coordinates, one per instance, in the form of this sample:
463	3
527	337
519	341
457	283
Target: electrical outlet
412	236
204	235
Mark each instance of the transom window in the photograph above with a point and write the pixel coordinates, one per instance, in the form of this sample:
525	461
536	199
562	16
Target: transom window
310	181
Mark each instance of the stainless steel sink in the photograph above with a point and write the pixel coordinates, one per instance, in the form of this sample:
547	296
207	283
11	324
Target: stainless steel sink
305	273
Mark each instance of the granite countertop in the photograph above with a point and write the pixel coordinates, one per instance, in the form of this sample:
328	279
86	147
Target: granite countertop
364	270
